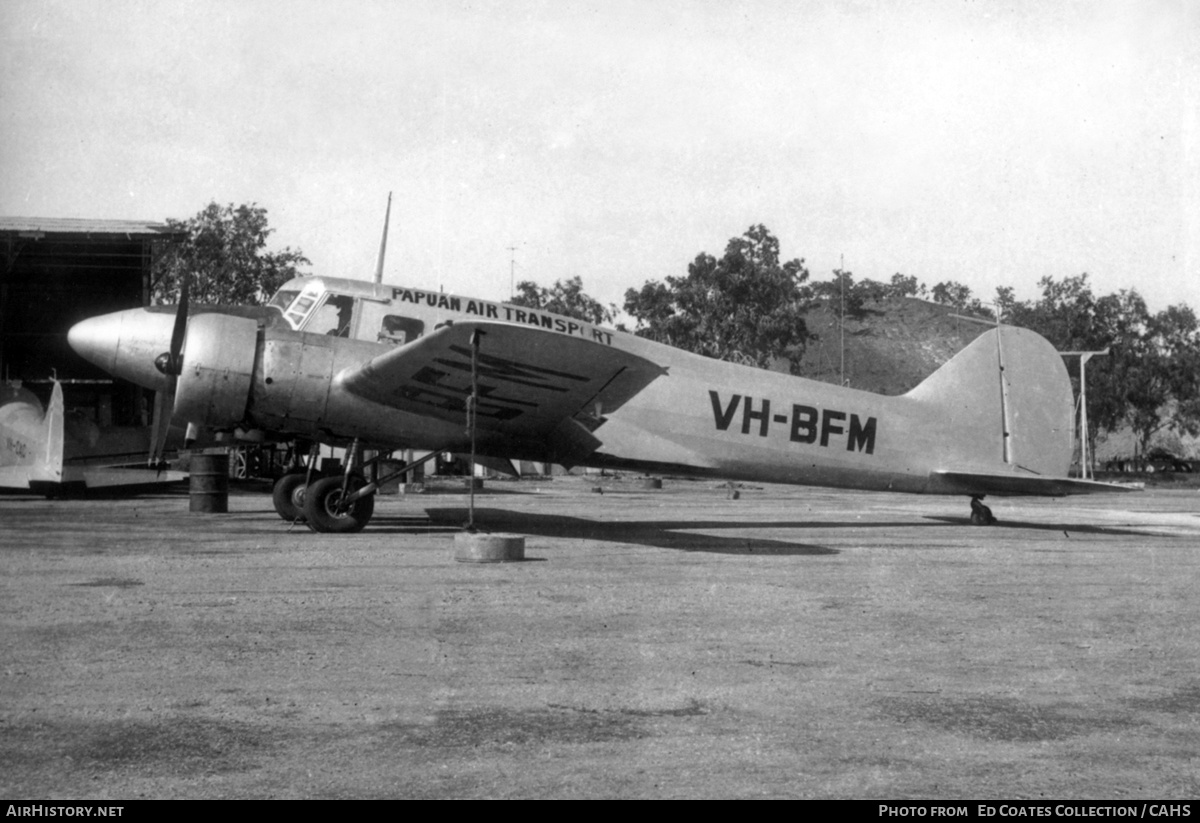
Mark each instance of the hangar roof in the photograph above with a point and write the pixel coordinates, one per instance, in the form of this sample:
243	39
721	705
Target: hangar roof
81	225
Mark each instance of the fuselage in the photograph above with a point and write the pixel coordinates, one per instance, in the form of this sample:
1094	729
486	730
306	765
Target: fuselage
701	416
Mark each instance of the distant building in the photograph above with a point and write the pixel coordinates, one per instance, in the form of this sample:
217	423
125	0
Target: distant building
58	271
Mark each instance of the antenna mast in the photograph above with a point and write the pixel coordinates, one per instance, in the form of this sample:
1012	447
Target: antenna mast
512	272
842	320
383	241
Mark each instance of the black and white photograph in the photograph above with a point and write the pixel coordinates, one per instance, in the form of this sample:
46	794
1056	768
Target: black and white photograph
419	399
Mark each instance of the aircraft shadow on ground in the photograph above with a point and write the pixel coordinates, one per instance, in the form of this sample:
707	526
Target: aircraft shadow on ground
664	534
680	534
486	491
1068	528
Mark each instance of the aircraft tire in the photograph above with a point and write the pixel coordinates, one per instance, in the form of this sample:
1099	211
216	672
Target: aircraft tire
321	501
288	496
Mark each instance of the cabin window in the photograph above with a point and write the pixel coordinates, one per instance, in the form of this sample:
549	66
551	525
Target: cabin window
333	316
400	330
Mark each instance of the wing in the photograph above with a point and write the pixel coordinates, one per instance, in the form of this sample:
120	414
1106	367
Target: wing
534	385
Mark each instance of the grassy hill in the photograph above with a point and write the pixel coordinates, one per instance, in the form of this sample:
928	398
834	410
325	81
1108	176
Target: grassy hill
891	345
894	344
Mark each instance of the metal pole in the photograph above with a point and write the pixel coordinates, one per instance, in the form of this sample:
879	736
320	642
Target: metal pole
1085	466
1084	356
472	401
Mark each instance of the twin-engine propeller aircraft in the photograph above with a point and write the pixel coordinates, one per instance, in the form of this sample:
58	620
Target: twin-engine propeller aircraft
373	366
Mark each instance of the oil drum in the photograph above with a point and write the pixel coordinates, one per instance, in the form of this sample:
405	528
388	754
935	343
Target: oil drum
208	488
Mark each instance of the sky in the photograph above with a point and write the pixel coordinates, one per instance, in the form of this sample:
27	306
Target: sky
988	143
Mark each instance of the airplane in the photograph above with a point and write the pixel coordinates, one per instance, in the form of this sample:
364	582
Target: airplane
368	365
49	451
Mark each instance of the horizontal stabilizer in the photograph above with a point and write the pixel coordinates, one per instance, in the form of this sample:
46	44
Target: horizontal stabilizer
111	477
502	465
1019	485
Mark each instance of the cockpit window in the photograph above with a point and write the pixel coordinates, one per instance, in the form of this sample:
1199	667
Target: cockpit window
317	311
282	299
297	311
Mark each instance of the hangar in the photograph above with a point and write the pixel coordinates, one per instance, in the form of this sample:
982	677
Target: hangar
58	271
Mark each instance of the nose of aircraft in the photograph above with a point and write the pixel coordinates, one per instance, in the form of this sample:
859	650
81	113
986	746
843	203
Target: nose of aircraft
125	344
96	339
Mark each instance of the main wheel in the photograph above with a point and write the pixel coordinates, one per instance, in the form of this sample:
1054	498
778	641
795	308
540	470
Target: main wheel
288	496
323	509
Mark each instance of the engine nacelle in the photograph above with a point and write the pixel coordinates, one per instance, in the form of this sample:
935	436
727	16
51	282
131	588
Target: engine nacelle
218	367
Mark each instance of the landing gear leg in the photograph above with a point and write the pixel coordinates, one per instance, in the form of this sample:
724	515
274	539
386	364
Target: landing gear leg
981	515
335	503
345	504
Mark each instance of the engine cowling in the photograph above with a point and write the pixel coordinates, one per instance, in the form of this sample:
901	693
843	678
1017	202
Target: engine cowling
218	368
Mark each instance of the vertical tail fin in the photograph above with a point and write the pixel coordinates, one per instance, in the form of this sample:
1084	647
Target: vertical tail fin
31	438
54	432
1005	404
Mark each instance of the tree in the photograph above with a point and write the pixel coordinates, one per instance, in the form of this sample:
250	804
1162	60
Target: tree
1006	300
1070	316
842	293
1179	337
223	250
1118	325
566	298
1150	379
953	293
1161	376
907	286
746	307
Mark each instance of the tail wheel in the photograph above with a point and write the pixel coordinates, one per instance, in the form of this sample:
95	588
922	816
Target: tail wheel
325	512
981	515
288	496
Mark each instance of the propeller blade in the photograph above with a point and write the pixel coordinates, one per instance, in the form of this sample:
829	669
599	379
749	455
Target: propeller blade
161	422
171	365
180	328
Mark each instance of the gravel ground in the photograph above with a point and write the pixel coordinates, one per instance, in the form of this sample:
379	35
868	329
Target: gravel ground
675	643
